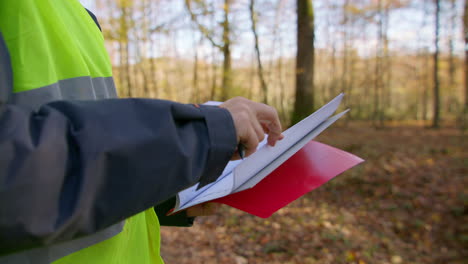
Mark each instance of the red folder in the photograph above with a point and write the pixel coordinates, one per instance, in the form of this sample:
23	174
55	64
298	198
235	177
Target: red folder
312	166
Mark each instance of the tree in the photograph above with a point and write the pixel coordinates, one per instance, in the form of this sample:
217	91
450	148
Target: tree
304	98
224	46
436	116
465	33
451	42
125	22
253	18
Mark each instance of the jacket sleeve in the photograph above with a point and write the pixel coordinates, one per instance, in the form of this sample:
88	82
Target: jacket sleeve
75	167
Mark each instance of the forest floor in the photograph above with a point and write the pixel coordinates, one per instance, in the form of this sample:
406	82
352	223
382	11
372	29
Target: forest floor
408	203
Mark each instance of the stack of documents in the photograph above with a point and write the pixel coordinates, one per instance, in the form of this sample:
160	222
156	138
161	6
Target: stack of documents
273	177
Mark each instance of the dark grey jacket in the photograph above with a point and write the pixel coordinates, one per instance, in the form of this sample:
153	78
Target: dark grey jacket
72	168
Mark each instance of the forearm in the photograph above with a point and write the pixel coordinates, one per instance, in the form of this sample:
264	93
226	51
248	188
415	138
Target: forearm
74	168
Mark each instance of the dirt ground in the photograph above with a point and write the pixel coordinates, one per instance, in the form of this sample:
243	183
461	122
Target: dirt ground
408	203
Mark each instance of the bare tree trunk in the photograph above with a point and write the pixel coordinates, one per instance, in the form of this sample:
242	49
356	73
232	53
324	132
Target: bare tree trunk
425	62
282	88
214	81
304	98
121	72
365	109
124	46
214	73
464	119
386	87
465	26
329	88
136	88
251	93
426	86
278	99
127	69
333	87
436	117
452	68
143	56
227	73
152	61
178	94
196	90
351	83
226	48
344	73
377	119
253	18
376	112
153	70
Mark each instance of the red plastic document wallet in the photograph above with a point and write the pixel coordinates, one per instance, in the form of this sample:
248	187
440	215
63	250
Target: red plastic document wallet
309	168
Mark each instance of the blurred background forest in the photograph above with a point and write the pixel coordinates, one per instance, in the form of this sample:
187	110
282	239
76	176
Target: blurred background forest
402	65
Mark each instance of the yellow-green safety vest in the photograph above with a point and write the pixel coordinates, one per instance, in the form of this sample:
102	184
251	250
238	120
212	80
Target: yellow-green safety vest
57	52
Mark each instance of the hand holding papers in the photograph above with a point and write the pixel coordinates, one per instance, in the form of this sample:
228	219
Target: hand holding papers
259	185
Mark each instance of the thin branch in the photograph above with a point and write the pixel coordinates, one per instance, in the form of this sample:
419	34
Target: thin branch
253	18
206	33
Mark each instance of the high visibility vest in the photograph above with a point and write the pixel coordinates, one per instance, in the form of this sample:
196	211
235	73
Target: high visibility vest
57	53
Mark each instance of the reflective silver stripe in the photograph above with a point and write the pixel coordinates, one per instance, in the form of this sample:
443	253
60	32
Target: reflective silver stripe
46	255
79	88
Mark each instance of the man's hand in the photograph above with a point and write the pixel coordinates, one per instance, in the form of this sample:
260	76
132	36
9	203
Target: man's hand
203	209
252	121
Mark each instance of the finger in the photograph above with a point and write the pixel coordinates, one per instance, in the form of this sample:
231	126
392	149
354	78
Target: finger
250	141
194	211
269	116
211	208
236	155
273	140
256	125
265	127
202	209
274	134
258	129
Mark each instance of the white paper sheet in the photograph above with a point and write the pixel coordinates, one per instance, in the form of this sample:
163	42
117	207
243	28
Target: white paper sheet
243	174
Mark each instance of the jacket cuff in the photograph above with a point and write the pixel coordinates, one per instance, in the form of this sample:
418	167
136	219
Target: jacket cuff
223	141
178	219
